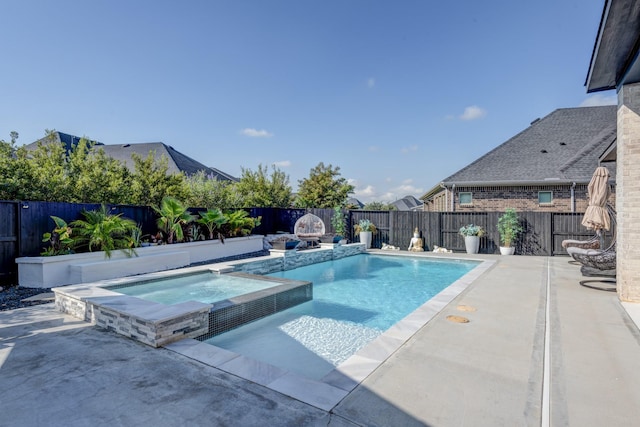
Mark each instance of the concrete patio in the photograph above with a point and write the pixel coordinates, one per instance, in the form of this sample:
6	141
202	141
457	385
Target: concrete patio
58	370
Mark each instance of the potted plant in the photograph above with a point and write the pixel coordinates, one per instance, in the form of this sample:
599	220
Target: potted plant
339	224
509	227
472	234
366	229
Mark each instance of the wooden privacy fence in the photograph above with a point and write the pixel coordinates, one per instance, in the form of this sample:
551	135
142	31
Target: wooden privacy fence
22	225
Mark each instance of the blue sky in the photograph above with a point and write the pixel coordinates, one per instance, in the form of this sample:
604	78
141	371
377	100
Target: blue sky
398	94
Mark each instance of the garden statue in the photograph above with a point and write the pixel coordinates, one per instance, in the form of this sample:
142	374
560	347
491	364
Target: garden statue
416	242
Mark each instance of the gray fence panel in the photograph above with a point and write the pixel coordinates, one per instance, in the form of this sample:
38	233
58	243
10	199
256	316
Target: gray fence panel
22	225
8	241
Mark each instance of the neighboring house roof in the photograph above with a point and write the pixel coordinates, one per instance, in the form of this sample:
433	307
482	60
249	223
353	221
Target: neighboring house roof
352	201
177	162
407	203
68	140
563	147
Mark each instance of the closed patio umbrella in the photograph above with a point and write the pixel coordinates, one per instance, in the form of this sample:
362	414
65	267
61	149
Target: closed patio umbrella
596	217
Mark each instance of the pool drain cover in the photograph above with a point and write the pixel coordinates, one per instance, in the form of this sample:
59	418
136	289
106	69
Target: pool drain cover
457	319
466	308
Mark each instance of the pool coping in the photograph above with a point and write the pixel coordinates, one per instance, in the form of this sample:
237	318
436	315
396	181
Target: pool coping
338	383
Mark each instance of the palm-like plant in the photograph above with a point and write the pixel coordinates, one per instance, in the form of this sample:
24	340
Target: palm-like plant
60	239
99	230
212	220
239	223
172	216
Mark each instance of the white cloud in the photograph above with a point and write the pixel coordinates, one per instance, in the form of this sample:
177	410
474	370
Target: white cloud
405	150
282	163
254	133
368	191
600	99
473	112
371	82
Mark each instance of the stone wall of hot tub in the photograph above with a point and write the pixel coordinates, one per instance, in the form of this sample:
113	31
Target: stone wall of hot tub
145	321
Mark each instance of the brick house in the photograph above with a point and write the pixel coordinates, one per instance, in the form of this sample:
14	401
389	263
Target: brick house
615	64
546	167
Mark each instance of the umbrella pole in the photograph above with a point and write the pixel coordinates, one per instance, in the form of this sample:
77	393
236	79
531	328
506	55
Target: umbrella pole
601	236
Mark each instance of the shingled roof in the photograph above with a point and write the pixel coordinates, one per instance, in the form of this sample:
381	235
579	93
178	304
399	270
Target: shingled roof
561	147
177	162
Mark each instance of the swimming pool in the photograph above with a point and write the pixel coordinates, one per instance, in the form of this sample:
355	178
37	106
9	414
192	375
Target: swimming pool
207	287
355	300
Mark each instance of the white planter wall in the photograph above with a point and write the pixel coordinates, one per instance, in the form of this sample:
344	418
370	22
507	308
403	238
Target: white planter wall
46	272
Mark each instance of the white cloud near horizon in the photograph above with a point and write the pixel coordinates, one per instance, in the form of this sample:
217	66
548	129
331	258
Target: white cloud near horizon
369	193
254	133
405	150
282	163
371	82
600	99
473	112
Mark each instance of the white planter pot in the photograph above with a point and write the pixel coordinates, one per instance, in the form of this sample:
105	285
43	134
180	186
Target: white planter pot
507	250
472	244
46	272
366	237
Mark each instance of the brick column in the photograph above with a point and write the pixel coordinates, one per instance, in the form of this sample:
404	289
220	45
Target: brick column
628	193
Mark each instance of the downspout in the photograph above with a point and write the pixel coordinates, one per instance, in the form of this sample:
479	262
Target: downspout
573	197
446	194
453	197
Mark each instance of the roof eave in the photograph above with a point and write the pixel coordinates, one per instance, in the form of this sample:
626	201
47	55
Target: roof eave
514	183
616	47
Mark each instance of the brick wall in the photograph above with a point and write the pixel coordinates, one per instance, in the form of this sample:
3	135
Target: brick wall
628	189
521	198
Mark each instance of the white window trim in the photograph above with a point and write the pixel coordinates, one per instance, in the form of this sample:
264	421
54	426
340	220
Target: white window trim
460	198
545	203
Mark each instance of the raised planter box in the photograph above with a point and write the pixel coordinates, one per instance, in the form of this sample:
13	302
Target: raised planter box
46	272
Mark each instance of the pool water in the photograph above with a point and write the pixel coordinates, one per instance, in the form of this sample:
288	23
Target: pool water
355	299
206	287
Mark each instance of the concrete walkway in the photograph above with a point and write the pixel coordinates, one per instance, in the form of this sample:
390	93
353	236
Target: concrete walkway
56	370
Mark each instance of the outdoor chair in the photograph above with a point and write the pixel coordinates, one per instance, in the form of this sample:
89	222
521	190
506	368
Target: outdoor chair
597	262
592	243
309	228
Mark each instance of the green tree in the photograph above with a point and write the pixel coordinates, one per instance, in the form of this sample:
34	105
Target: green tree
150	182
45	171
96	178
260	190
7	170
204	192
324	188
379	206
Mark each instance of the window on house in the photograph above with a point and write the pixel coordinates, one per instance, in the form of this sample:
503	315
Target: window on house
545	197
465	198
